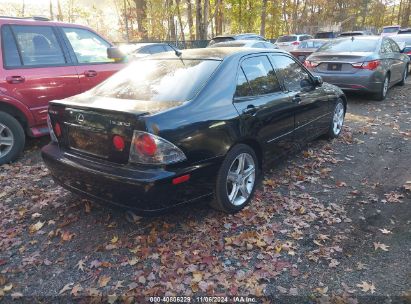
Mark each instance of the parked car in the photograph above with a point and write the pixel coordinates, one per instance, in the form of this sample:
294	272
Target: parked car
291	42
140	50
307	47
170	129
40	61
326	35
390	30
405	41
244	36
361	63
245	43
355	33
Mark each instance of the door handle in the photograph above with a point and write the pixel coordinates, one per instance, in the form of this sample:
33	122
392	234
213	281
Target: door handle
296	99
250	110
90	73
15	79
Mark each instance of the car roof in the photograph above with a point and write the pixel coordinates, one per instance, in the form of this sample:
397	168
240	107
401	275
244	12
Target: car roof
37	21
236	35
219	53
234	42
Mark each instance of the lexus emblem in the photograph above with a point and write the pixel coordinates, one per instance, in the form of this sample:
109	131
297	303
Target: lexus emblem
80	118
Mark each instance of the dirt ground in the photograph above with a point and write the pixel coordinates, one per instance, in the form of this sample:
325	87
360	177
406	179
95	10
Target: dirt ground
329	224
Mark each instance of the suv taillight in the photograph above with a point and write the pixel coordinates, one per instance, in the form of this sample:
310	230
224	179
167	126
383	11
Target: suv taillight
148	148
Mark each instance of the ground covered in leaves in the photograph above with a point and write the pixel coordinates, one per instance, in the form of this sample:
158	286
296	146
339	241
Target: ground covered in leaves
330	224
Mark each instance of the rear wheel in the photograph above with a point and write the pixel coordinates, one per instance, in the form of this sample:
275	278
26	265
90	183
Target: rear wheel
384	88
404	76
337	121
12	138
236	180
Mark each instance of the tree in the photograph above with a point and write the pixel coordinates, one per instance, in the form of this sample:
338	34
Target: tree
190	19
141	12
263	17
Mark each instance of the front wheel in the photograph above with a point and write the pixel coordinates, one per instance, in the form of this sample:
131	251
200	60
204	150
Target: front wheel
12	138
337	121
236	180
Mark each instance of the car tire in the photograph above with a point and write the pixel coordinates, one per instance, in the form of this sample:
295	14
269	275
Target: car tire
404	76
236	184
384	88
12	138
337	120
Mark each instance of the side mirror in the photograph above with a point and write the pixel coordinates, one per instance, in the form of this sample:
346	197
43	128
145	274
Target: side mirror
115	53
318	81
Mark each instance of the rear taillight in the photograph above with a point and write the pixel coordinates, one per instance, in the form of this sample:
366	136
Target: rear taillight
368	65
408	53
147	148
310	64
57	129
118	143
295	43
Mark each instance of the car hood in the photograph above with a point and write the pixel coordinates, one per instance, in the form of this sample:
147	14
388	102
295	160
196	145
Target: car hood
88	101
341	56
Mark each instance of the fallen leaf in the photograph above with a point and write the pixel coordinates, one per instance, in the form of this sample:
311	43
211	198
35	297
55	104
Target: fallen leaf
103	280
381	246
8	287
385	231
65	288
407	186
114	239
334	263
80	265
112	298
197	276
367	287
36	227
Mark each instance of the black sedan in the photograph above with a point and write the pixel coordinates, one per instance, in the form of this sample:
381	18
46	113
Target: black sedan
200	123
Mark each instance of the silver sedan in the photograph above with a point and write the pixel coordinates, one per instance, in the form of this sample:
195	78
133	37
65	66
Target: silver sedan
361	63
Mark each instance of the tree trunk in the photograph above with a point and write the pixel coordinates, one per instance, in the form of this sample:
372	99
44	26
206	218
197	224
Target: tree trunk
190	19
51	11
204	27
219	18
59	12
263	17
399	13
199	20
171	22
180	22
141	12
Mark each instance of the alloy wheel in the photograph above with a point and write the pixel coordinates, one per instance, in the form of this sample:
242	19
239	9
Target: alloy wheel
240	179
6	140
338	118
385	86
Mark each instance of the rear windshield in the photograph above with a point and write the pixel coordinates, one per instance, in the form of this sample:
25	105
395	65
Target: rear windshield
309	44
351	34
400	38
287	38
349	45
231	44
158	80
220	39
324	35
390	29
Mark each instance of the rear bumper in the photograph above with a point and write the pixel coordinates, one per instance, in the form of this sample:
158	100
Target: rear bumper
353	82
144	190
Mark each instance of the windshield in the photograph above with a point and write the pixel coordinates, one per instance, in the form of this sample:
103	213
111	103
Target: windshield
158	80
287	38
350	45
390	29
406	39
310	44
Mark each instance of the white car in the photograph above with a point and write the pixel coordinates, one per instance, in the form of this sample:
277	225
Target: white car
291	42
245	43
390	30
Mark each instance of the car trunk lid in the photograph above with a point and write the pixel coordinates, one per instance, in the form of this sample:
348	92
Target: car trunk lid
338	62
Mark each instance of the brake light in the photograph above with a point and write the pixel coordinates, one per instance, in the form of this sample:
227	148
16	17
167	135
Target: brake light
148	148
118	143
310	64
367	65
181	179
408	53
145	144
57	129
295	43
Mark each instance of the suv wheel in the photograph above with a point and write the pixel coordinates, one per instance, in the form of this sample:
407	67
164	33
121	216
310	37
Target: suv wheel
12	138
236	180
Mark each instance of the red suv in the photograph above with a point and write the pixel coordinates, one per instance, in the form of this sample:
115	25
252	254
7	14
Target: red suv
42	60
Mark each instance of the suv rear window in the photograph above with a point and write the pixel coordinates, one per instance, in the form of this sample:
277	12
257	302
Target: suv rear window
287	38
165	80
38	46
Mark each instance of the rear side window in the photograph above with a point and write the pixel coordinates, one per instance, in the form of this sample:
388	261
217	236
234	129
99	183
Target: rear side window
38	46
260	75
295	78
87	46
156	49
10	53
243	87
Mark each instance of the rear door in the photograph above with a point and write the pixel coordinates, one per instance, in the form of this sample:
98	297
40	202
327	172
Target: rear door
398	62
89	53
266	111
388	60
312	107
37	68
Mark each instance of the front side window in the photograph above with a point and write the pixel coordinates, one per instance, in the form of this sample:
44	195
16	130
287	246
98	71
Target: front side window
167	80
38	45
260	75
10	53
87	46
294	76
